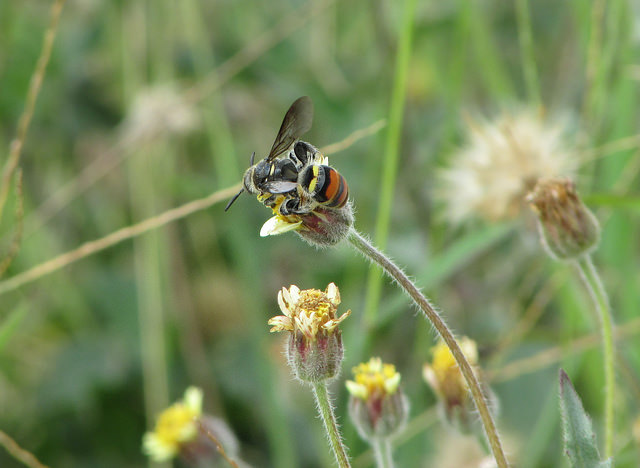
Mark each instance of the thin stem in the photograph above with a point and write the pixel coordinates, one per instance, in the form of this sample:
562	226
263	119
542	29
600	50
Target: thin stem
325	408
599	295
18	452
382	452
373	254
525	37
391	152
32	96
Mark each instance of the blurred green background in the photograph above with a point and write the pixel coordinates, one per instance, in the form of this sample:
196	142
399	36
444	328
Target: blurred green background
89	354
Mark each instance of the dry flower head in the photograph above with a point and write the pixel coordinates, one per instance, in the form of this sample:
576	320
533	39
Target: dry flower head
308	311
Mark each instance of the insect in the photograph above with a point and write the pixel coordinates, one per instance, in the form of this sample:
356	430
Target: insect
294	177
274	174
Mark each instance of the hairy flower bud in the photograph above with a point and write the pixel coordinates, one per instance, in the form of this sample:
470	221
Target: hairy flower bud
321	227
314	348
567	228
183	431
445	378
377	405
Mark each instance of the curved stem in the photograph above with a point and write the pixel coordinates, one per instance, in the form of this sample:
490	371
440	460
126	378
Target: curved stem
373	254
325	408
599	296
382	452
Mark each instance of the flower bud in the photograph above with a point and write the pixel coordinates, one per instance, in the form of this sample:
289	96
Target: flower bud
314	348
445	378
182	431
567	228
377	406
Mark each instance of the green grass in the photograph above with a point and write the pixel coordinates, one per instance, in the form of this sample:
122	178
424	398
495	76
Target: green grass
91	351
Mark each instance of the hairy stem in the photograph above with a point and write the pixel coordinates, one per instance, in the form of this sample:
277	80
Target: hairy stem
382	452
325	408
373	254
597	292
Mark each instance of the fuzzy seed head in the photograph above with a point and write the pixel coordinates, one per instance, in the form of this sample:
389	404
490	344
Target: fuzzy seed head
501	163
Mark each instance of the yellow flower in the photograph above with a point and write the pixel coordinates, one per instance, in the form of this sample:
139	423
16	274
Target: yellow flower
373	378
175	426
310	311
501	163
445	378
443	374
377	406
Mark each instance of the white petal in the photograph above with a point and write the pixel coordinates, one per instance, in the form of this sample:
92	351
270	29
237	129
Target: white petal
281	302
294	293
333	294
276	225
193	399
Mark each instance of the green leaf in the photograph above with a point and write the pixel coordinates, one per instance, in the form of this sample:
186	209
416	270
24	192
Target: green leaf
579	439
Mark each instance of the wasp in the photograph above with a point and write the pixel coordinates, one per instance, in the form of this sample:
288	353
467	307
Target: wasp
294	178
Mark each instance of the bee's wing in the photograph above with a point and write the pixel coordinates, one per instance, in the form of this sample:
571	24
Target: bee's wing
279	186
297	122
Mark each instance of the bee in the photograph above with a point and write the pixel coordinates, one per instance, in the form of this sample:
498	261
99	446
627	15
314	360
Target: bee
300	181
274	175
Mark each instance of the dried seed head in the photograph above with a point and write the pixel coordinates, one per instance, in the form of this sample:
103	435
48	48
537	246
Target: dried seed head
567	228
377	406
501	163
314	348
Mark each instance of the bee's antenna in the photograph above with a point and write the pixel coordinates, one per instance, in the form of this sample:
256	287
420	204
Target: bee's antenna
233	199
253	155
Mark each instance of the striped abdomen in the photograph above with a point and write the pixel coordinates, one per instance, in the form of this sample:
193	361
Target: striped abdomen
325	185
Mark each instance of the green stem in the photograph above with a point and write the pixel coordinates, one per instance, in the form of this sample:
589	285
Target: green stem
525	37
382	452
377	257
599	295
325	408
391	153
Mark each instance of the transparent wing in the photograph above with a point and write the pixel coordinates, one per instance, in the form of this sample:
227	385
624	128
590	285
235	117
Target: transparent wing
279	186
296	122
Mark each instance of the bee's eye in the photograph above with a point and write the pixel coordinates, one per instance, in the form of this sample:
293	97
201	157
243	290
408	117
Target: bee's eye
261	172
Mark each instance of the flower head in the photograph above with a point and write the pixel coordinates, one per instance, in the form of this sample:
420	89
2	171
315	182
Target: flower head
373	379
175	427
377	406
567	228
445	378
501	163
315	343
